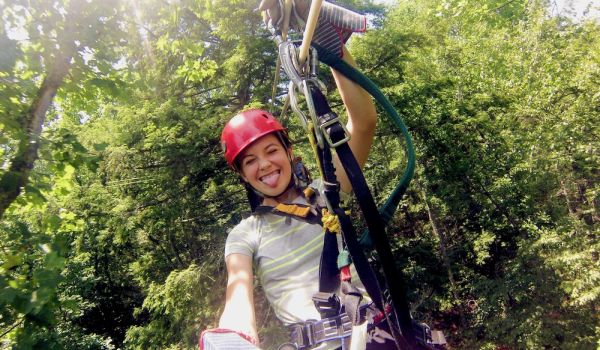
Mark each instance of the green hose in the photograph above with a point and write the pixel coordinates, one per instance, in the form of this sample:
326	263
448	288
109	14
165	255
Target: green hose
389	207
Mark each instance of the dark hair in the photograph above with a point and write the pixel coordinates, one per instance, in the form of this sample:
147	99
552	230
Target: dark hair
253	198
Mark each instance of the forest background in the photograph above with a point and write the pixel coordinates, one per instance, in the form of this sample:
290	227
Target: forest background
115	200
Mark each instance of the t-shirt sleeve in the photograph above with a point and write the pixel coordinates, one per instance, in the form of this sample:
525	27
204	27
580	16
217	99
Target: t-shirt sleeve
242	239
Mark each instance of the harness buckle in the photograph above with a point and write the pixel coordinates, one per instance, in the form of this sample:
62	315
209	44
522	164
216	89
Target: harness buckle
309	332
422	333
299	336
328	304
330	120
330	328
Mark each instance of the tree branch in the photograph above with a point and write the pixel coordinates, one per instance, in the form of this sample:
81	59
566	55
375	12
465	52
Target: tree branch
17	176
11	328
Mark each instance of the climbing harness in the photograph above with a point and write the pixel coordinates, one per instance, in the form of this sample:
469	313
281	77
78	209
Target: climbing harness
338	327
327	133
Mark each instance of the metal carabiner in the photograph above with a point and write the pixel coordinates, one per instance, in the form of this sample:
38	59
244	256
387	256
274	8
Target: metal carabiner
292	91
311	110
289	61
302	77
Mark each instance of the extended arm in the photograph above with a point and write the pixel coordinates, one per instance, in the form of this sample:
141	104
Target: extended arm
362	120
239	314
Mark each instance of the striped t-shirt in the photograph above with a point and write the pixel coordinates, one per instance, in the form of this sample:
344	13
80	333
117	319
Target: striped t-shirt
286	253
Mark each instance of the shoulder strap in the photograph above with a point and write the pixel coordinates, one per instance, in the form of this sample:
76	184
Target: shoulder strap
300	212
329	280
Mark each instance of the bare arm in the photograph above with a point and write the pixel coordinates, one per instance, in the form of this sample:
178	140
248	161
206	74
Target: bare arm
239	314
362	120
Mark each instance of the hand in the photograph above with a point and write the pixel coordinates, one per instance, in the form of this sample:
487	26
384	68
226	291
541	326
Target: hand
273	13
335	25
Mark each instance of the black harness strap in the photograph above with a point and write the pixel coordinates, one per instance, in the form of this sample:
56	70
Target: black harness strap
329	280
332	192
396	285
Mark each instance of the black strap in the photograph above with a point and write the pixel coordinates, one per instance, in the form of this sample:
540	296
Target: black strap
329	280
328	271
371	215
332	192
374	223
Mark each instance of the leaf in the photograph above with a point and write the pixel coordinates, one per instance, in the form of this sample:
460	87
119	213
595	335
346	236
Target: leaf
7	295
71	305
55	261
46	277
22	303
34	195
100	146
12	260
107	85
78	147
52	223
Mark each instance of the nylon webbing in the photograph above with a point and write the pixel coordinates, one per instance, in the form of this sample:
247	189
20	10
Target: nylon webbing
374	223
388	209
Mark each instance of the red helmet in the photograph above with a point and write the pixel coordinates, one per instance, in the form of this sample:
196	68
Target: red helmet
245	128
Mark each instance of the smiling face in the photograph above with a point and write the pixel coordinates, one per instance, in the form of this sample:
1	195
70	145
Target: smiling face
265	165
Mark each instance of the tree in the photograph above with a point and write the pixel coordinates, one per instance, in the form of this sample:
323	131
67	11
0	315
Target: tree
54	50
55	37
116	237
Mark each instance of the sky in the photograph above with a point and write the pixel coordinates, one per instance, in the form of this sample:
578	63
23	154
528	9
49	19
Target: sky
573	8
577	7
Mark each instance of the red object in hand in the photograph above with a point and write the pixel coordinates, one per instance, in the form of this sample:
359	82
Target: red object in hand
244	336
345	274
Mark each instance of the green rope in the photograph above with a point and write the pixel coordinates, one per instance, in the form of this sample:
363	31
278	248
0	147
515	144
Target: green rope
389	207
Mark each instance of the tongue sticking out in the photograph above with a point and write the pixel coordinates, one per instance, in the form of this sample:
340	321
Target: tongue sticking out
271	179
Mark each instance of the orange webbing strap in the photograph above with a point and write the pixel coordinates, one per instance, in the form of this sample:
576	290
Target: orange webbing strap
293	209
309	193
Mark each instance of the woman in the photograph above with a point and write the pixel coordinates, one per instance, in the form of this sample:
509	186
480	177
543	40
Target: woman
285	250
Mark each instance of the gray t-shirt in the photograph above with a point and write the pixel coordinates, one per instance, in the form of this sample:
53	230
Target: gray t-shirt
286	253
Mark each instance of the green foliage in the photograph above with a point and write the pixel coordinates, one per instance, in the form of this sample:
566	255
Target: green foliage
177	308
117	240
482	92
